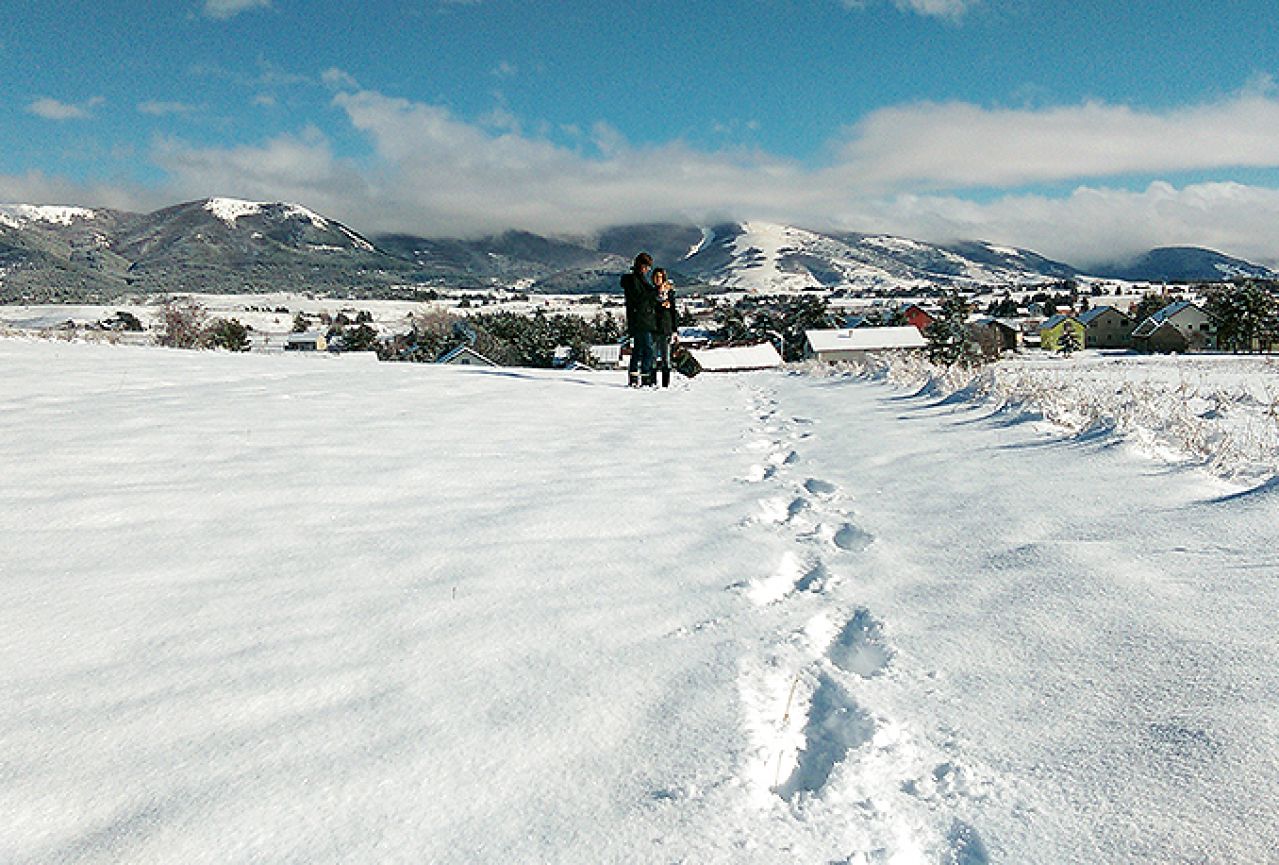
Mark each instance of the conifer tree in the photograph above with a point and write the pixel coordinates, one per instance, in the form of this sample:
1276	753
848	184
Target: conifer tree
1068	343
946	335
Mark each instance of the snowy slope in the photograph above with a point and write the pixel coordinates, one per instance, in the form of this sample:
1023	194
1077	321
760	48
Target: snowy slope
19	215
764	258
311	609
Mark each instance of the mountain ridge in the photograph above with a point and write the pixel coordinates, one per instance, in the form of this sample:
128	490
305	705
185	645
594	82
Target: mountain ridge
228	245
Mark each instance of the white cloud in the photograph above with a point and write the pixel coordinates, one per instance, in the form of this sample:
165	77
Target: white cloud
339	79
955	145
932	8
432	172
158	108
300	168
53	109
505	69
1094	224
35	187
941	8
224	9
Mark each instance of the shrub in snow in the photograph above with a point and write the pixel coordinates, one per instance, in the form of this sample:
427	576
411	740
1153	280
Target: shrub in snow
182	324
226	333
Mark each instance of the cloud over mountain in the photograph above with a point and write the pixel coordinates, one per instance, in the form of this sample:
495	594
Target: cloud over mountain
905	169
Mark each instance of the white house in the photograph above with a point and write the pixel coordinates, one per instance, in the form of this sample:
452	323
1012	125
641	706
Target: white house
737	358
310	341
1183	319
856	343
610	354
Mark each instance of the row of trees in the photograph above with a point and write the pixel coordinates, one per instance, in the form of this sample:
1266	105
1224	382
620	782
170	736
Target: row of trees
507	338
1246	316
516	339
780	320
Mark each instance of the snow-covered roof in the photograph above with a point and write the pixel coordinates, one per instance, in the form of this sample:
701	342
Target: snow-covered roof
1172	310
1056	320
737	357
462	351
1089	316
1150	325
865	338
991	321
611	353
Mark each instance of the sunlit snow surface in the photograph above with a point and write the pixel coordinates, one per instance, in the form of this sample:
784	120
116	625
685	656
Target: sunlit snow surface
309	609
18	215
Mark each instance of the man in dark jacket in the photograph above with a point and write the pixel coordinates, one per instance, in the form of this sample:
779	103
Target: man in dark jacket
641	320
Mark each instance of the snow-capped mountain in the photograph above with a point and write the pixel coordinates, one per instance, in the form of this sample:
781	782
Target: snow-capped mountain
767	258
233	245
213	245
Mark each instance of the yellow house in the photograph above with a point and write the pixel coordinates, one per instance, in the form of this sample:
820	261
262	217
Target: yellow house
1051	330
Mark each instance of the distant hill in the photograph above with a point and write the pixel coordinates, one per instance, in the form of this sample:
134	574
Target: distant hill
223	245
218	245
1183	264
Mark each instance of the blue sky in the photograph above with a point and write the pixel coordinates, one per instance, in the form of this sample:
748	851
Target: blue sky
1082	129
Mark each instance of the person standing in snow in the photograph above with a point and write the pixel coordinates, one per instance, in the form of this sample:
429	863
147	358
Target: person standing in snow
641	320
667	319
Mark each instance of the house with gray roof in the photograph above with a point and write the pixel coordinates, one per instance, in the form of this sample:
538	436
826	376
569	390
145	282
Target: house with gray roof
1107	327
1179	326
464	355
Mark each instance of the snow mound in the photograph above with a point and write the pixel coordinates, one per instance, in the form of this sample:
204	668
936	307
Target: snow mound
230	209
18	215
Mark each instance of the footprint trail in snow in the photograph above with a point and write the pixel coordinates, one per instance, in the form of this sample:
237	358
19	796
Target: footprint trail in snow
822	734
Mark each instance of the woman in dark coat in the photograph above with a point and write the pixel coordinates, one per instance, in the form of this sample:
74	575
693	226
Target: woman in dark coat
667	322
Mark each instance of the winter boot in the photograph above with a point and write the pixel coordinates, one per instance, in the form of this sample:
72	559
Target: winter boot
666	377
634	380
649	379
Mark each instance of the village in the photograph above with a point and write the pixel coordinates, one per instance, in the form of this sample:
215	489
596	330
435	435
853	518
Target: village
718	332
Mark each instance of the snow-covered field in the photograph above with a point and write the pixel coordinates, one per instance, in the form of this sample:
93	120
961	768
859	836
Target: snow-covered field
289	609
1218	411
271	315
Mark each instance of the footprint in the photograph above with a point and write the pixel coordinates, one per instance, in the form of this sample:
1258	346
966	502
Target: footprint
964	846
819	487
860	647
816	579
852	538
757	474
836	725
783	458
796	507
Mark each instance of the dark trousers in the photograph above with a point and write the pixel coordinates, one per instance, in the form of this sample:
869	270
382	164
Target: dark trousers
643	352
662	351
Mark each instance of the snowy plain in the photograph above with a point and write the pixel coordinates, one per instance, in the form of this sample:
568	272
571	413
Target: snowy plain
267	608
